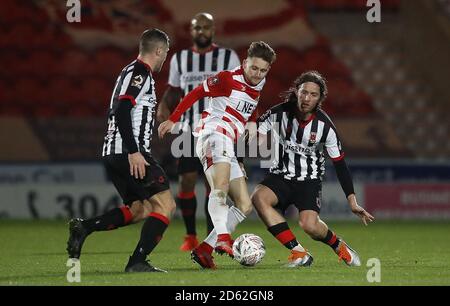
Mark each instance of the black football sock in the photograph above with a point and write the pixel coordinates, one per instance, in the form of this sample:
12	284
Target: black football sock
284	235
151	233
188	205
113	219
332	240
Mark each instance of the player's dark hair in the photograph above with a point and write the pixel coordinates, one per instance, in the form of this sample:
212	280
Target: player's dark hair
262	50
151	39
310	76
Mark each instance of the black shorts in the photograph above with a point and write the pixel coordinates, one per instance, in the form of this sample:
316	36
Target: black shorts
305	195
189	163
130	188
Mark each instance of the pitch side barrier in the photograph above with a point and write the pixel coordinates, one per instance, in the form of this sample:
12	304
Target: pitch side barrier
387	188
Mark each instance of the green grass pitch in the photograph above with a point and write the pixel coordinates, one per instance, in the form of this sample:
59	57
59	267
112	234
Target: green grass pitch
411	253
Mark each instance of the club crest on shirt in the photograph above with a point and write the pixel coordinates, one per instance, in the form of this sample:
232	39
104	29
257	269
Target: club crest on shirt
213	81
312	138
137	81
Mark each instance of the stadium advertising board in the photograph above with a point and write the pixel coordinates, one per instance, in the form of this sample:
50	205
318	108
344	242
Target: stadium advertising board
408	200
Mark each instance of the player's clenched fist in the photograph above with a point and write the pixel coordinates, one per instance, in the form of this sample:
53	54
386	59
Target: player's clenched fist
165	127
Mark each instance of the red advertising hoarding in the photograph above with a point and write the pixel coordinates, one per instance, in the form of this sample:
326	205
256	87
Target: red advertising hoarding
408	200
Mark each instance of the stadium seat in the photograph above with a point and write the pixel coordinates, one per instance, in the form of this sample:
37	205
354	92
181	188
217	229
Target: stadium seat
27	92
96	94
22	36
80	111
46	111
77	63
13	110
43	64
109	62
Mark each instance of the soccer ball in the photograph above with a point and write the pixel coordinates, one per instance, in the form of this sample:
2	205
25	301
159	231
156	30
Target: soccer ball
249	249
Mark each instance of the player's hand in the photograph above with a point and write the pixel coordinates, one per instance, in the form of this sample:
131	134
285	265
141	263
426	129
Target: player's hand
137	165
359	211
250	131
363	214
165	127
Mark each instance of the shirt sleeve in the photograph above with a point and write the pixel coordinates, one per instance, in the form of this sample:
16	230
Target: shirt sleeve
174	72
333	146
133	85
219	85
216	86
187	102
344	177
125	126
266	122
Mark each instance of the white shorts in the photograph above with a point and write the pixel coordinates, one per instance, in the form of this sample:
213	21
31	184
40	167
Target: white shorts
214	147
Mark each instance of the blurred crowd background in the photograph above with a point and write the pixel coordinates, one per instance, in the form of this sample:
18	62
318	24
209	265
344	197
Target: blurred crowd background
387	81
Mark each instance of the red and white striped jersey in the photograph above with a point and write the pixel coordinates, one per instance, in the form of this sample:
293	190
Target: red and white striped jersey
232	103
189	68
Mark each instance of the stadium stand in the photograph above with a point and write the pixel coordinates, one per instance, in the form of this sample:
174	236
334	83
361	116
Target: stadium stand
96	69
55	69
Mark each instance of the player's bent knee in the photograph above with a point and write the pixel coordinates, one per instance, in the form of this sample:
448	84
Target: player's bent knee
171	207
168	208
247	209
309	228
258	201
163	203
222	186
137	210
244	205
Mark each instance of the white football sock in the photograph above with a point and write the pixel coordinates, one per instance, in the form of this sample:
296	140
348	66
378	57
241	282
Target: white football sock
235	216
218	210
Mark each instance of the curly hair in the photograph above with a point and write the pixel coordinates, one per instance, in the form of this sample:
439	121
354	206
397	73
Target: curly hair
310	76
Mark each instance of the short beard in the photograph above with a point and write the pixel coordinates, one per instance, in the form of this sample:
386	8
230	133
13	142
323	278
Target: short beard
202	45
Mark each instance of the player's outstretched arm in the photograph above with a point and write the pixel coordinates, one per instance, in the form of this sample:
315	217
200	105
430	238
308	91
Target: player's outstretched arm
183	106
346	182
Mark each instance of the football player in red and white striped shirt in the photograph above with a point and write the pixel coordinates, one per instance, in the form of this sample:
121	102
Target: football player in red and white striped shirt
234	96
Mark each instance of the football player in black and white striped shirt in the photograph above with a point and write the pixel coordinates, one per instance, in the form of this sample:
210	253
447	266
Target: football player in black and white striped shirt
305	132
140	181
188	69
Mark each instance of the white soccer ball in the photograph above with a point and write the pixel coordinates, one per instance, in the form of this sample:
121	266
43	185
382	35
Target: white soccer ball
249	249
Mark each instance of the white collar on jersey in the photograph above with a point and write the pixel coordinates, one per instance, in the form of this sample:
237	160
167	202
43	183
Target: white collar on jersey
238	74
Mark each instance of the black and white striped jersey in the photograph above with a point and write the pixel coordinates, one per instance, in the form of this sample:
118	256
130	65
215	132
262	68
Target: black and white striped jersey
299	145
136	84
188	69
